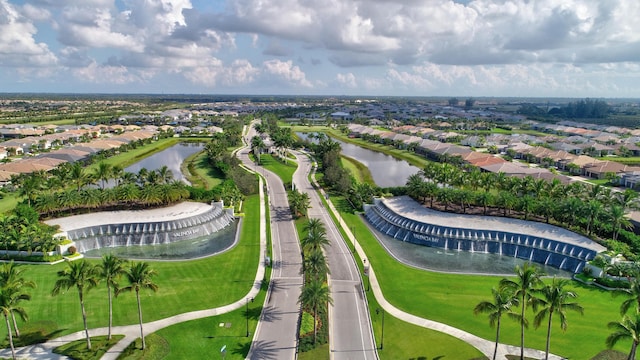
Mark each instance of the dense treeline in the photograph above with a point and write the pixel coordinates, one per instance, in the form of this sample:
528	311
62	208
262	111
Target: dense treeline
21	231
581	109
594	211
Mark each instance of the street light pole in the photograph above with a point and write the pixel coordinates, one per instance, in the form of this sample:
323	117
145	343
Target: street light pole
247	313
378	310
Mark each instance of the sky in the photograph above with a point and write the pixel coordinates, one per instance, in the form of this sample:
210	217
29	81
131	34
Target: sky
528	48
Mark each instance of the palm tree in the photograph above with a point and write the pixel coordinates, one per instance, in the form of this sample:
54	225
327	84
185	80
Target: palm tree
628	328
527	279
9	304
103	172
83	276
110	270
633	292
315	294
165	174
316	236
139	276
79	176
618	218
503	300
315	264
555	300
11	278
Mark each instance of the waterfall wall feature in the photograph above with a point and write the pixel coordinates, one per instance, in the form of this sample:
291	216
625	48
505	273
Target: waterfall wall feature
145	227
404	219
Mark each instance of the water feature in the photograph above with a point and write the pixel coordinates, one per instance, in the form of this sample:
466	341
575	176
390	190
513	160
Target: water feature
386	170
171	157
456	261
183	249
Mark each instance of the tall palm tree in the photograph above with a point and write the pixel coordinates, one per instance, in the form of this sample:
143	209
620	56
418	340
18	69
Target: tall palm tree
110	270
10	299
140	277
633	292
618	218
316	235
555	299
315	294
79	176
165	174
527	279
315	264
83	276
503	301
627	329
11	277
103	172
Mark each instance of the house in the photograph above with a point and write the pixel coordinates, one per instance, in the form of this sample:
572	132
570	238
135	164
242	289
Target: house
600	169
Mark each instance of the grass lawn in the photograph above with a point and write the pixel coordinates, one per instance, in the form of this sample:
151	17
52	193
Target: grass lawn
182	286
192	339
357	169
9	202
284	171
78	349
202	174
450	298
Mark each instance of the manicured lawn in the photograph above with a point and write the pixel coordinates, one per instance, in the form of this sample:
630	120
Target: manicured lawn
357	169
193	339
450	298
202	174
78	349
284	171
183	286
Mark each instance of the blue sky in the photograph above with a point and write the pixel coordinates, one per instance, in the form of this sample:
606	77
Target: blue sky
545	48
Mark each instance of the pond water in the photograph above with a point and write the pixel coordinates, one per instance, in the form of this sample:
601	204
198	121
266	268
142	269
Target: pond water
178	250
386	170
438	259
171	157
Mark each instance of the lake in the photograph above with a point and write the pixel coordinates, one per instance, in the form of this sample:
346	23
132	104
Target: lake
386	170
171	157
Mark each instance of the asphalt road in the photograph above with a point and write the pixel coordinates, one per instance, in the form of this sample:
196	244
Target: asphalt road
276	336
350	326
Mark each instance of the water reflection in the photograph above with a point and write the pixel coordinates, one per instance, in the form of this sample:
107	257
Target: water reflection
171	157
386	170
178	250
438	259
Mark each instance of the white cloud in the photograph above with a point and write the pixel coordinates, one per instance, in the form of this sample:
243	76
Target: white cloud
287	72
348	80
240	72
105	74
18	48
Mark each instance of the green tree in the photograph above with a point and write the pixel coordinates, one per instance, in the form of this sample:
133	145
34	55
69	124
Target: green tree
503	301
527	279
556	300
316	235
315	294
110	270
315	265
103	173
627	329
11	278
10	299
140	277
83	276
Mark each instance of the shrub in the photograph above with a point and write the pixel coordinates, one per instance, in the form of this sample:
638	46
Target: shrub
72	250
